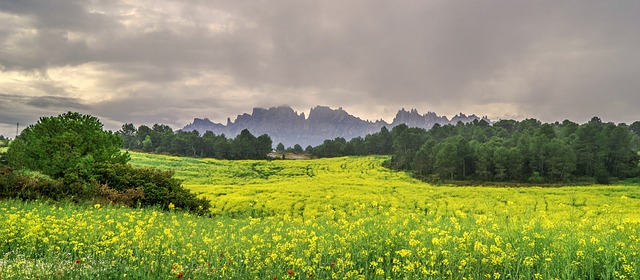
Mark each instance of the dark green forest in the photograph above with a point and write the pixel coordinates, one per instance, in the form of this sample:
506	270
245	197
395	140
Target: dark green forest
527	151
162	139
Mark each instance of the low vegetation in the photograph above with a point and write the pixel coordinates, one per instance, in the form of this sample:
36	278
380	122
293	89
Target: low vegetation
70	157
329	218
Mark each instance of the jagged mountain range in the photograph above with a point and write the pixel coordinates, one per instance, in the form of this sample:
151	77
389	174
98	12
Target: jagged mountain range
284	125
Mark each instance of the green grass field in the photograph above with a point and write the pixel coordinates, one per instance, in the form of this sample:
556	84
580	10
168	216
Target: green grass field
341	218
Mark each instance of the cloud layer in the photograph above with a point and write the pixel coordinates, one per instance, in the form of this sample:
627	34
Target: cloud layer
170	61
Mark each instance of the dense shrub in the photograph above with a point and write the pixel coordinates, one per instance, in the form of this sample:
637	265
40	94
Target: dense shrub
71	157
30	185
158	187
130	197
110	183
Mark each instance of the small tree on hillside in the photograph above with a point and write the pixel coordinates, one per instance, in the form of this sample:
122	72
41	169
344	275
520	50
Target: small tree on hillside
66	143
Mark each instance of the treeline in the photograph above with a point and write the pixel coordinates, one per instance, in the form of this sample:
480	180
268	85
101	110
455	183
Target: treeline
380	143
507	151
162	139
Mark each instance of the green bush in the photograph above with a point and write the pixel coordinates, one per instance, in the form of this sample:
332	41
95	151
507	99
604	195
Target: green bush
71	157
159	187
110	183
130	197
30	185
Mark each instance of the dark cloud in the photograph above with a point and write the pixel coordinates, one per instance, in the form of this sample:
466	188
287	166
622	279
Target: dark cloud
70	15
56	102
170	61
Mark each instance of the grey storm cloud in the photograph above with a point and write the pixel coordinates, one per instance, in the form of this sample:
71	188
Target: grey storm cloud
170	61
56	101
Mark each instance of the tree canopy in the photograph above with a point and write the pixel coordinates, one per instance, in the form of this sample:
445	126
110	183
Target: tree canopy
161	139
57	145
506	151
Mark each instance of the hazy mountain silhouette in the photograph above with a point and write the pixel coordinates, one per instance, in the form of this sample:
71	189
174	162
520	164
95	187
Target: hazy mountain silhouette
284	125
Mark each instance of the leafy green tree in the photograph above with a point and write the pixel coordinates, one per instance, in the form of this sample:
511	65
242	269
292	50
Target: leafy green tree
68	143
280	148
128	134
147	145
221	147
264	145
561	160
501	162
243	146
484	154
331	148
508	125
308	149
355	147
588	146
406	143
161	136
446	163
423	162
380	143
619	152
247	146
297	149
635	127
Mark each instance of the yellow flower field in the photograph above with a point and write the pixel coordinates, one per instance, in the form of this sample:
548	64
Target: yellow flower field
342	218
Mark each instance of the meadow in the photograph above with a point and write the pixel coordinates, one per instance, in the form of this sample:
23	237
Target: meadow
338	218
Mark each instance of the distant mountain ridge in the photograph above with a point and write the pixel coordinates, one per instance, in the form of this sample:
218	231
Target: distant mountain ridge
284	125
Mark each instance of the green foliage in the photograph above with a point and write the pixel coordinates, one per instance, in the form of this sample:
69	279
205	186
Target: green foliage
70	157
110	183
379	143
3	156
297	149
161	139
3	143
508	151
30	185
65	144
159	187
512	151
247	146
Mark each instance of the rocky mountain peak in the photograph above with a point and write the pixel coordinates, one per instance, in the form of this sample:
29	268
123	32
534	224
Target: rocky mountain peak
285	125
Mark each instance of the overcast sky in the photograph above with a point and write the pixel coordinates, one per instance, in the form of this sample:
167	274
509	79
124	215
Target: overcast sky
163	61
